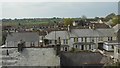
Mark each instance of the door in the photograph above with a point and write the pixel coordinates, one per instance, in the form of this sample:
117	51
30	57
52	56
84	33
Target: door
82	47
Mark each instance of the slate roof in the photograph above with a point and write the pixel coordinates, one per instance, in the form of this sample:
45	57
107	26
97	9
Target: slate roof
106	32
92	32
25	36
100	25
81	58
61	34
116	27
81	33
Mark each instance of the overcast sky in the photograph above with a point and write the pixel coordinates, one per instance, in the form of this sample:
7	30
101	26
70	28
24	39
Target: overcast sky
57	9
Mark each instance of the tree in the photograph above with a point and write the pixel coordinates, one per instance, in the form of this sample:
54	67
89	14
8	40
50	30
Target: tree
96	18
68	21
116	20
110	16
83	17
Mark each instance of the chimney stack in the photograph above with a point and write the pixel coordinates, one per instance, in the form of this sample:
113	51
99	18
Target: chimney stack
69	28
93	26
21	44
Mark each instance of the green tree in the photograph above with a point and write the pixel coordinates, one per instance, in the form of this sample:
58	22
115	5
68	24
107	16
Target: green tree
83	17
110	16
68	21
116	20
96	18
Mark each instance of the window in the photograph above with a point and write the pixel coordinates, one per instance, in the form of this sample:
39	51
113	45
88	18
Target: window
76	46
92	40
89	46
76	39
81	39
109	38
100	39
85	39
65	48
50	41
32	44
55	41
112	47
118	50
65	41
82	47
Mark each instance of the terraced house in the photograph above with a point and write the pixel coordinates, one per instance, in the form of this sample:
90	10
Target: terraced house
83	39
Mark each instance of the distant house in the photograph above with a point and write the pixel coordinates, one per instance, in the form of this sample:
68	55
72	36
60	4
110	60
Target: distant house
76	36
10	28
82	59
100	21
99	25
30	39
75	23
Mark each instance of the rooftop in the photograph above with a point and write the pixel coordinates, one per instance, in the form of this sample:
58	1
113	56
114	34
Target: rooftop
81	58
25	36
80	33
33	57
